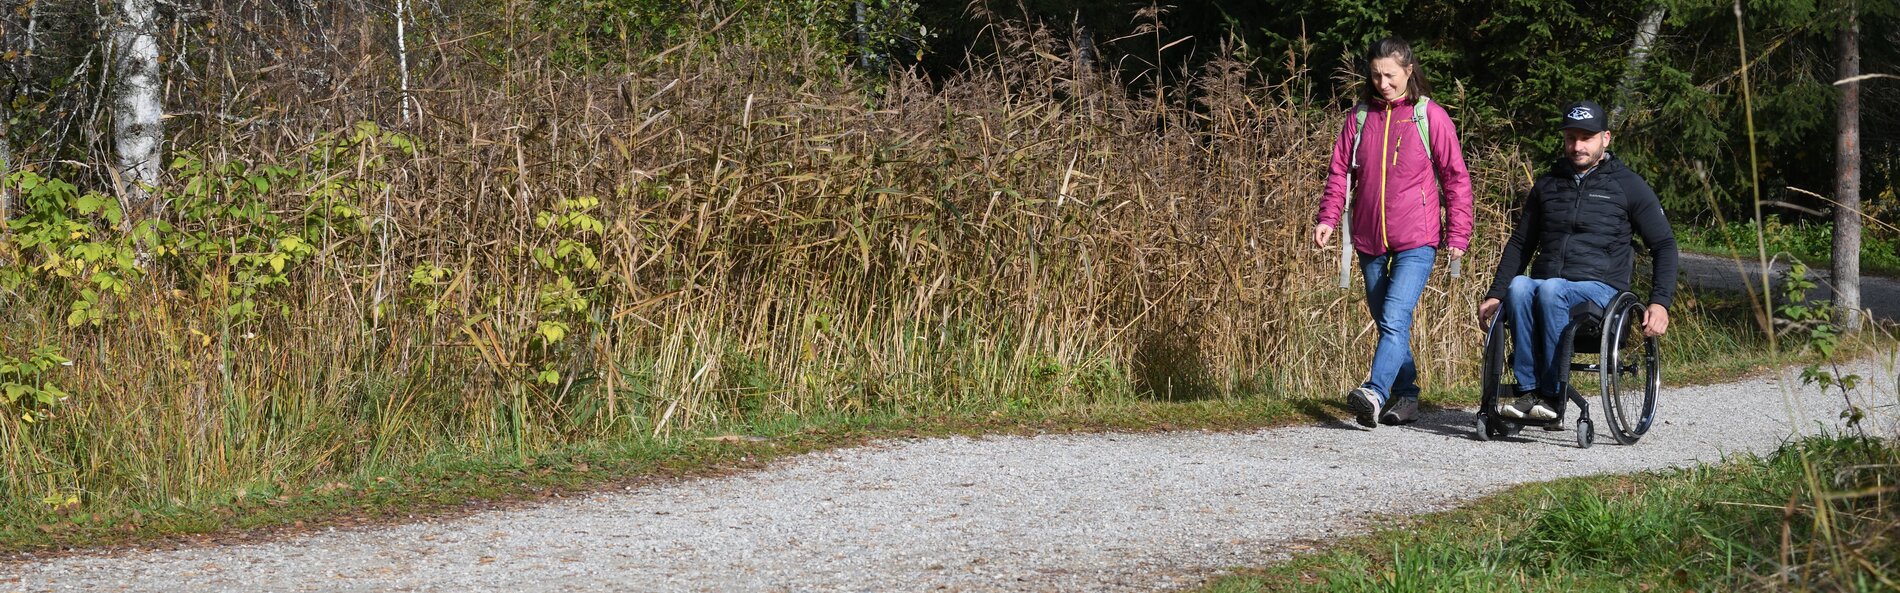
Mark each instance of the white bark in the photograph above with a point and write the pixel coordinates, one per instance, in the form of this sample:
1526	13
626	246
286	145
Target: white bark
865	57
138	127
32	24
1847	225
402	57
1639	54
6	168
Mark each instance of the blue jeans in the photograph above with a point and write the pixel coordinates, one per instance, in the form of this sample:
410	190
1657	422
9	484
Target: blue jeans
1540	310
1393	283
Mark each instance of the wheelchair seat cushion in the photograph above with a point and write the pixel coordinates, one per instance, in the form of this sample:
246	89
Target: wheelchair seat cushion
1586	326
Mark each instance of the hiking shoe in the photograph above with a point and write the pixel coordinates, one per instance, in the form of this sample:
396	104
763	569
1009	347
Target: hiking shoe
1403	410
1520	409
1365	406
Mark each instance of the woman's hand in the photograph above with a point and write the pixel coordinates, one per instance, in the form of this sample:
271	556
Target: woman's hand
1321	233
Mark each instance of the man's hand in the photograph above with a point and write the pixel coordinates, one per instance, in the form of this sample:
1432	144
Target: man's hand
1655	320
1321	233
1487	310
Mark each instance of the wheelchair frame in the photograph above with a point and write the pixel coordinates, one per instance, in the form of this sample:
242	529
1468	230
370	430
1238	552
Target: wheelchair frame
1630	357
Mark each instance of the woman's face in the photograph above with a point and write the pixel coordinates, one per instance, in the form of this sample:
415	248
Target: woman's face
1390	79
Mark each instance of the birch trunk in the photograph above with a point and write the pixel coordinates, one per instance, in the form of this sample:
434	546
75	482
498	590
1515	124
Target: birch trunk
138	128
866	59
1639	54
1847	225
18	71
6	166
402	57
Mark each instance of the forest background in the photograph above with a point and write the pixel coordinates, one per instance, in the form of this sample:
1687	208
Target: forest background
255	247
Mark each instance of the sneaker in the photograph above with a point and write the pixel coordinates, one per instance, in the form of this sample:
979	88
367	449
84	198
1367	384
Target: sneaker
1556	422
1542	411
1518	410
1547	409
1365	406
1403	410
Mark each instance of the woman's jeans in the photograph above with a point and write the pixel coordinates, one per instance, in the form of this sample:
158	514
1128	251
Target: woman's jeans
1540	310
1393	284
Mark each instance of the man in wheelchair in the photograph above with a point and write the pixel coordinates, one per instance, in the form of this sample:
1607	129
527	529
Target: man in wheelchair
1578	220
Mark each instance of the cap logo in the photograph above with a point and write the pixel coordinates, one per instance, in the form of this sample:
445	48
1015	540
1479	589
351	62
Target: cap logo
1582	113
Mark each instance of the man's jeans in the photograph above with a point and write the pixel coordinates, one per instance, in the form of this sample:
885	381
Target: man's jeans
1540	310
1393	283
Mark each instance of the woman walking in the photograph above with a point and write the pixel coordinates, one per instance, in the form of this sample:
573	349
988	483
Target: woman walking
1399	159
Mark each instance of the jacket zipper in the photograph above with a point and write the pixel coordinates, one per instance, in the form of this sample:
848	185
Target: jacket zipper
1385	141
1576	215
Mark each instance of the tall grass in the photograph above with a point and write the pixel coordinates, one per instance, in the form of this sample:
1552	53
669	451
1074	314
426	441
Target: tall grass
724	233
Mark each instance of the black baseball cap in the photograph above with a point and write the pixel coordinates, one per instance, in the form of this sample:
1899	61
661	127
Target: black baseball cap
1586	115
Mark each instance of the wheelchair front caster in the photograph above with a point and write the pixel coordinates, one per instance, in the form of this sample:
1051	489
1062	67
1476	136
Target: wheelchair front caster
1586	434
1482	428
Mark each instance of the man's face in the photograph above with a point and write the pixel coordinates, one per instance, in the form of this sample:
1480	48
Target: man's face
1584	148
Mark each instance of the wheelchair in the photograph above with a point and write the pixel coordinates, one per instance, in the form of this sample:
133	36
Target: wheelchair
1606	341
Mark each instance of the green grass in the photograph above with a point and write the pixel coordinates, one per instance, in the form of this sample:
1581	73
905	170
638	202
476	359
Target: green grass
1749	524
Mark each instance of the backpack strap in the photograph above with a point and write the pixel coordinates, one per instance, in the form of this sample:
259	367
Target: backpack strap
1420	116
1358	131
1345	207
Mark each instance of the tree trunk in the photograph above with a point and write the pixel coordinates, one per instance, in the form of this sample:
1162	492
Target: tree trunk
16	73
402	57
866	58
1847	179
1639	54
1084	41
138	128
6	167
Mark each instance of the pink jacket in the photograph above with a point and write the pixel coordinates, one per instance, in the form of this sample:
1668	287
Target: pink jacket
1398	204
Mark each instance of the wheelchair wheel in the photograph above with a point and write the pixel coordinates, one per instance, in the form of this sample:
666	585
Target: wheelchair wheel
1586	434
1485	428
1497	380
1630	378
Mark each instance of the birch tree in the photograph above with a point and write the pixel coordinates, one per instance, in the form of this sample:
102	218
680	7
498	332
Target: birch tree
1639	53
1847	213
14	58
138	128
402	57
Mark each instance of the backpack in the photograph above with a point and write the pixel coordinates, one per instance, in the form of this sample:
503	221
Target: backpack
1420	116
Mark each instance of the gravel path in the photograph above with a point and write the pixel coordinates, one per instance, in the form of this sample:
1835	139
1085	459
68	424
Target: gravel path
1106	512
1877	294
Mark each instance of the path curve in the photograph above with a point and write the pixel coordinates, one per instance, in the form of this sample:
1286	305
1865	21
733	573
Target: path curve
1102	512
1879	295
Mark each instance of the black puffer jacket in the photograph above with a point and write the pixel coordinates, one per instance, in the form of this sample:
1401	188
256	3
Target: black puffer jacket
1581	229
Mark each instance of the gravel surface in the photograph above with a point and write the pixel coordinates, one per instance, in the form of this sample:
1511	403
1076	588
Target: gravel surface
1877	294
1104	512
